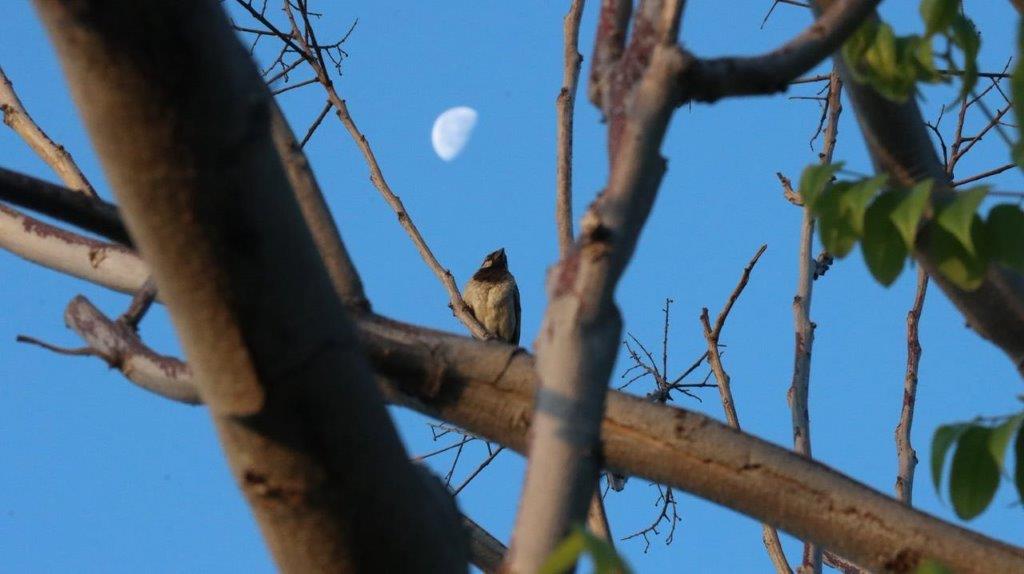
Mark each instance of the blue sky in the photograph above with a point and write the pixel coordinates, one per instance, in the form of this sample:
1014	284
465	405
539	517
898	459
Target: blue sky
98	472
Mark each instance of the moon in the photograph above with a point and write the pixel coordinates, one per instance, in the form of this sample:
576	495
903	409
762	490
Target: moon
452	130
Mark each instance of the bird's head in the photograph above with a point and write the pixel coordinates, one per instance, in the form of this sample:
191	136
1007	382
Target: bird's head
495	260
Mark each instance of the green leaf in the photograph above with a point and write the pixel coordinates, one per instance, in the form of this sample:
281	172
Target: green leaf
1018	474
921	57
1006	233
566	554
957	216
938	14
881	55
974	475
943	438
814	179
606	559
965	35
1001	436
907	214
931	566
882	243
856	46
966	270
841	211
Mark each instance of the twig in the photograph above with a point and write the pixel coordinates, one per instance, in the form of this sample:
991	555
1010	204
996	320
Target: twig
984	174
669	513
291	87
769	536
904	450
51	152
120	347
71	352
565	106
316	124
141	302
478	470
800	387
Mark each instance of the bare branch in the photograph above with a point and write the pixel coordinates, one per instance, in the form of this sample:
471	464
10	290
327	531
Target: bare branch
50	151
565	106
141	302
109	264
799	390
904	451
769	535
984	174
581	328
488	388
711	79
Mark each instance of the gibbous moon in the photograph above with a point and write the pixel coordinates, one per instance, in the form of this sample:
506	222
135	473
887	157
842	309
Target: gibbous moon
451	131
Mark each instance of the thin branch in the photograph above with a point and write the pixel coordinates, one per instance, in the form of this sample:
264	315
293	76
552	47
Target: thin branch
565	106
984	174
315	124
54	154
800	387
295	86
141	302
905	453
478	470
669	513
769	535
120	347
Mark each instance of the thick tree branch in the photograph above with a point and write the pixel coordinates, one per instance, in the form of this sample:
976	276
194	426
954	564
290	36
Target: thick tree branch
708	80
489	388
581	328
208	201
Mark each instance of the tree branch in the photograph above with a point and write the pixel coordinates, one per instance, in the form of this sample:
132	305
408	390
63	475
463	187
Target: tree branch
582	326
904	451
711	79
81	210
565	106
54	154
769	535
489	388
208	201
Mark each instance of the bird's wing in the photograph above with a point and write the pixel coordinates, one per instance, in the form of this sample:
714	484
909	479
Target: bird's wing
519	313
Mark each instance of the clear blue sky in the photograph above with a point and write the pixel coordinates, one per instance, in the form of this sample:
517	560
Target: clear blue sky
96	472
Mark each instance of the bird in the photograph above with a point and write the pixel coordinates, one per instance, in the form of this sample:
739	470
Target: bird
493	296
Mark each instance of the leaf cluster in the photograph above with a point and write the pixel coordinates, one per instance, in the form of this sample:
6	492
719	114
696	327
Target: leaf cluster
889	222
893	64
979	459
